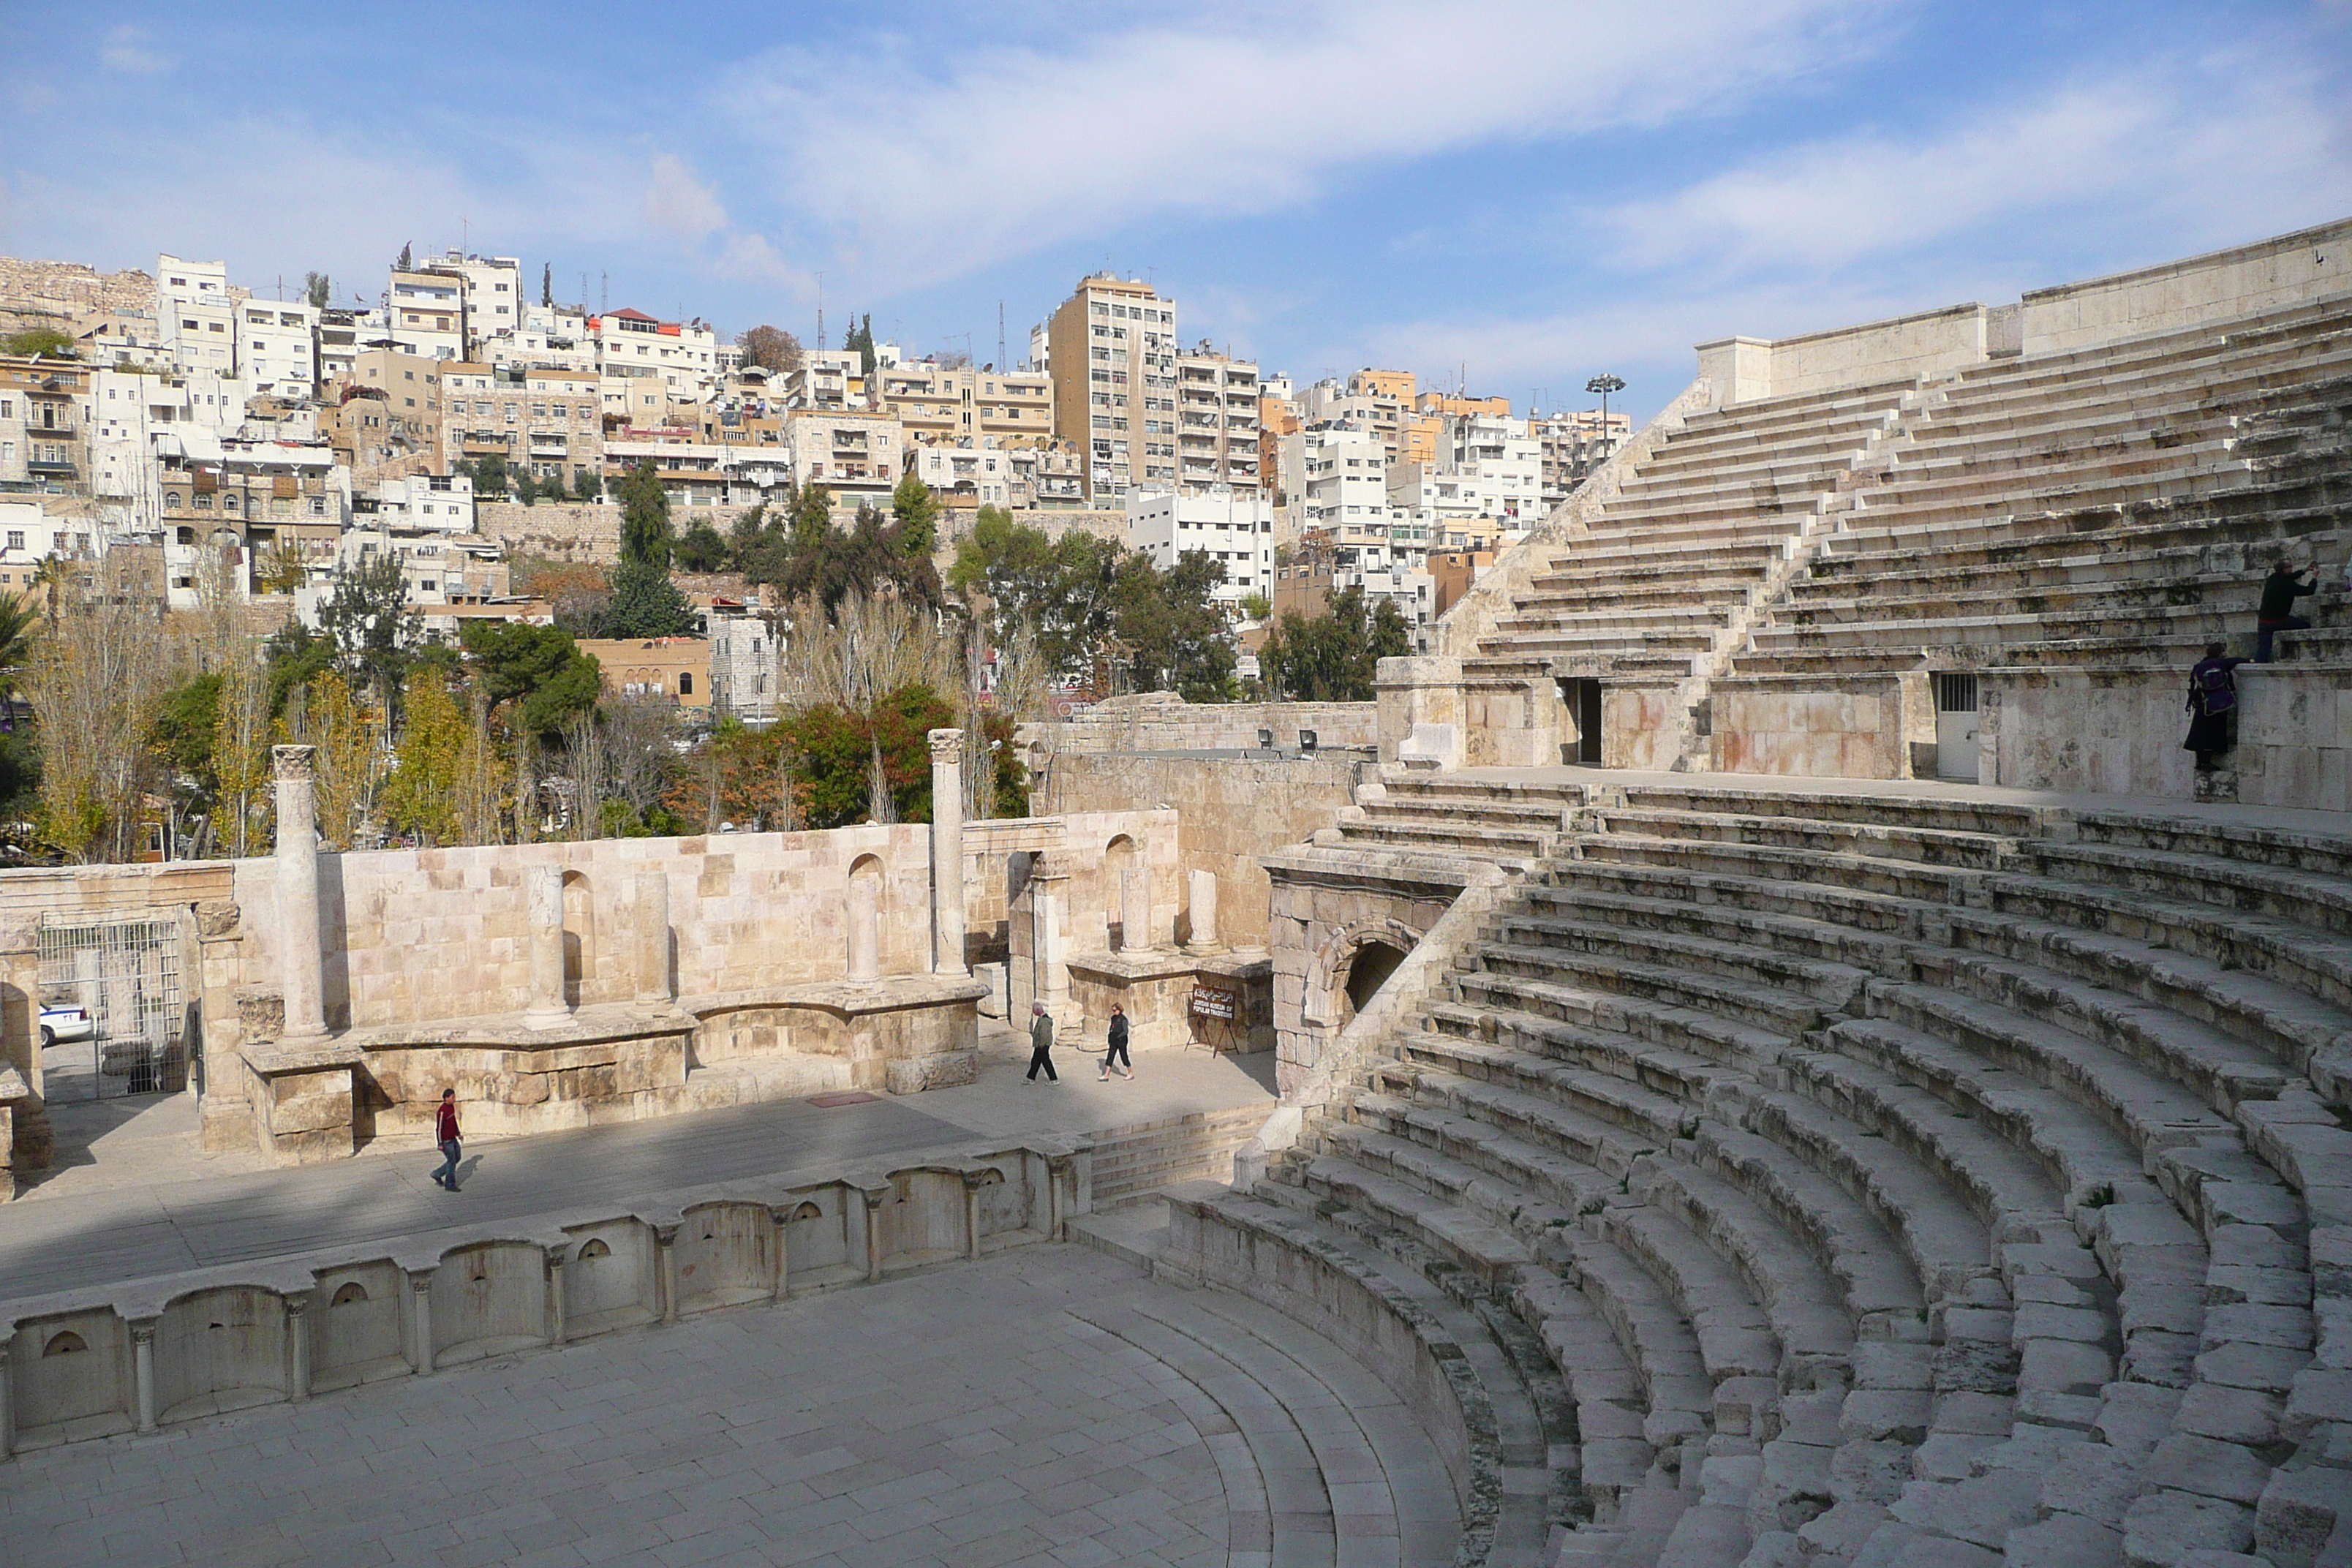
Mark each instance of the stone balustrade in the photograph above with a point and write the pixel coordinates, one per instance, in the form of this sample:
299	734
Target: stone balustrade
158	1352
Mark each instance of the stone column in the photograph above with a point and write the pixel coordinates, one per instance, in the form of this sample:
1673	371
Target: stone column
1203	885
552	1261
865	929
7	1411
653	938
543	888
297	1345
301	977
947	854
420	1320
1135	909
874	1200
143	1370
972	1181
1049	949
666	1237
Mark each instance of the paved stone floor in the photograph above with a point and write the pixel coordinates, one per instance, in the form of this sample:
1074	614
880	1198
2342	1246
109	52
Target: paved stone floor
129	1203
1047	1406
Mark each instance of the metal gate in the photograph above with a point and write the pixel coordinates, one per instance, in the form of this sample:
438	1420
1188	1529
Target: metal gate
124	972
1957	755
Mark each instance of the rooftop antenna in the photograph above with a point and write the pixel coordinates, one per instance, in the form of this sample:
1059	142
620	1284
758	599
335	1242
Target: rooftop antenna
820	310
604	296
1001	361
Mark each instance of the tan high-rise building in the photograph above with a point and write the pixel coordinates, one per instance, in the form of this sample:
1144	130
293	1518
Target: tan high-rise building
1216	420
1111	352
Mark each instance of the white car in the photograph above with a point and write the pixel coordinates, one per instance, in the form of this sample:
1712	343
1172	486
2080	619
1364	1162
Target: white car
64	1021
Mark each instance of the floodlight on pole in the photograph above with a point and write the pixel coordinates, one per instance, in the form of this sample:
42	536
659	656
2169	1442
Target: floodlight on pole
1604	383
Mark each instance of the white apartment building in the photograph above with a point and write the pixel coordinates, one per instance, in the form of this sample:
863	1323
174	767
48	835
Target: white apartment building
1341	477
857	456
30	533
983	473
1111	347
746	661
276	348
195	314
554	336
1215	429
428	313
1235	525
683	355
489	294
132	414
419	503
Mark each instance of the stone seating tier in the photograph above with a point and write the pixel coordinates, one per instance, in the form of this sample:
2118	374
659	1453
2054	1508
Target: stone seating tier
1881	1181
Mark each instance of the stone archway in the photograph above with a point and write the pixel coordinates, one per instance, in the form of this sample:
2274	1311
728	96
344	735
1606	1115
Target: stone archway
1373	962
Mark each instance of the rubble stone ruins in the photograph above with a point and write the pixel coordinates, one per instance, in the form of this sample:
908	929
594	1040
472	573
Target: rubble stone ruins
1777	1059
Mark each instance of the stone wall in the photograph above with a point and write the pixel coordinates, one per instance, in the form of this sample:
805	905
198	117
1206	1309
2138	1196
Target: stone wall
1164	721
562	530
1862	727
2120	733
55	293
1229	812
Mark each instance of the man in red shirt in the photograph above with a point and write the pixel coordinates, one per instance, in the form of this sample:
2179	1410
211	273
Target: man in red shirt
445	1132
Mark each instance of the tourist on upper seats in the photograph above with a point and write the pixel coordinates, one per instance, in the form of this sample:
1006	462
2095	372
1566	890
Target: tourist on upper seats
2213	699
2281	589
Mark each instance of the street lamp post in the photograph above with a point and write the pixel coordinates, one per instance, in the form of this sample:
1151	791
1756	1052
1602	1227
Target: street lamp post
1604	383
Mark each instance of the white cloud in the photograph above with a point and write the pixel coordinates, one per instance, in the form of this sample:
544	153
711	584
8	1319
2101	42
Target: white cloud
1017	149
2218	149
125	49
678	203
2138	167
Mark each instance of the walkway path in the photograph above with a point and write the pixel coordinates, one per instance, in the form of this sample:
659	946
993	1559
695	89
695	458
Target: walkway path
97	1223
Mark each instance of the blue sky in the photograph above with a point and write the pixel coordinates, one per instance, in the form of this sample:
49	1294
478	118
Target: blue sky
1526	194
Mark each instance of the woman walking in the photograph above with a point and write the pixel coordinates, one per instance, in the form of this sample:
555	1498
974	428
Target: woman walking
1118	1051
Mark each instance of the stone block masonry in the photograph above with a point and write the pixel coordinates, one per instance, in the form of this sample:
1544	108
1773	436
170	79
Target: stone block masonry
1164	721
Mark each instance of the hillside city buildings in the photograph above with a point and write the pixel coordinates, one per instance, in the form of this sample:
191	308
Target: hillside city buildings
255	444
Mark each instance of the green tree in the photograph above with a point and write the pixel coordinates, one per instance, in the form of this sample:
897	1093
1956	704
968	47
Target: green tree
1058	588
547	283
492	478
646	535
1334	656
646	603
861	338
318	289
1257	606
833	777
539	669
752	533
182	729
587	484
829	564
296	656
421	796
1172	629
526	489
367	620
38	340
917	512
702	549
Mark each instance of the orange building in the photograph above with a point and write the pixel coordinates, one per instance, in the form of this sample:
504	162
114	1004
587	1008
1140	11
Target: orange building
676	668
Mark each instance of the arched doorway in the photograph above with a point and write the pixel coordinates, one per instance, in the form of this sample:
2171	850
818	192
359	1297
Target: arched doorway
1368	971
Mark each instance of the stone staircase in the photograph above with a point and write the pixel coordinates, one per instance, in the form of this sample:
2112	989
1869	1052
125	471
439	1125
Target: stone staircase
2105	509
1857	1179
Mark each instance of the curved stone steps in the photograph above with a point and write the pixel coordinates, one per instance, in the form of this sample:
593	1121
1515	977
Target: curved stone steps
2299	1032
1380	1467
1679	1074
1940	847
1677	1390
1900	878
1746	999
2312	900
1801	936
1614	1458
2215	1068
1941	1237
2313	961
1293	1518
1524	1523
1582	1020
1849	910
1613	1098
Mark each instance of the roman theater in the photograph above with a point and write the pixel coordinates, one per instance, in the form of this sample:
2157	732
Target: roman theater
1761	1048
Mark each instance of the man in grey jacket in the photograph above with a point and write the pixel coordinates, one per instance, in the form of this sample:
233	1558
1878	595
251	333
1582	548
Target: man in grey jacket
1041	1043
